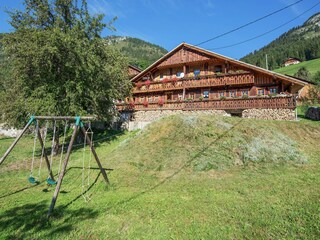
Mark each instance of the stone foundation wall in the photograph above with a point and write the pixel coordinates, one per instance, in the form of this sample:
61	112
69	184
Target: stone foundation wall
269	114
150	116
139	119
9	132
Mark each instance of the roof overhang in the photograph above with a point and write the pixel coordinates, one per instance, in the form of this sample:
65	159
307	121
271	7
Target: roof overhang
224	58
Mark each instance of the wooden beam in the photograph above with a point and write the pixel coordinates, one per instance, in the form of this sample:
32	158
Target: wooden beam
16	140
45	155
63	118
62	173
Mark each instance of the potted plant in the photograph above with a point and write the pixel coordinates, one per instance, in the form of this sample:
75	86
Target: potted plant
131	104
174	80
138	85
147	83
145	103
160	102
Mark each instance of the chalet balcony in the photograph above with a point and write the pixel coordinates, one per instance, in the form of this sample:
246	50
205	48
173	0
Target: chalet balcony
287	102
202	81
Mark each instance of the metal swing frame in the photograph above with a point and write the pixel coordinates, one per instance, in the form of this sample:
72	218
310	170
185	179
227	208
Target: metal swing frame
77	126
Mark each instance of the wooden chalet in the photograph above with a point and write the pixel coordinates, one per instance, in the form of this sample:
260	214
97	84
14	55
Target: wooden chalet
292	61
191	78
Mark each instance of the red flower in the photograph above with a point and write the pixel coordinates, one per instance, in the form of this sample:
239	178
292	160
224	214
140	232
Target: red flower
138	84
147	83
174	80
131	104
165	80
160	102
145	103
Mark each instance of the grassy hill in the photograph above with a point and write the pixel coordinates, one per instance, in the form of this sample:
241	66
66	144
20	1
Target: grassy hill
183	177
312	66
301	42
140	53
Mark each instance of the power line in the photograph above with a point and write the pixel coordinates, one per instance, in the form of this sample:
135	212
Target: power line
265	33
247	24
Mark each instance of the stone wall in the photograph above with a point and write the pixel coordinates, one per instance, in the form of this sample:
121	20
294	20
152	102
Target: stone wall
313	113
150	116
9	132
140	119
269	114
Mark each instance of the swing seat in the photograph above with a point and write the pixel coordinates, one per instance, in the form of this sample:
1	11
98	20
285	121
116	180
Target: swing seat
32	180
51	181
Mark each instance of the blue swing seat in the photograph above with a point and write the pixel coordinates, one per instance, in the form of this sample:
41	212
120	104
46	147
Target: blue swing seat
51	181
32	180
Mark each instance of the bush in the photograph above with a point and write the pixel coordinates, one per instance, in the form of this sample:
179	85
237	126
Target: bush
245	96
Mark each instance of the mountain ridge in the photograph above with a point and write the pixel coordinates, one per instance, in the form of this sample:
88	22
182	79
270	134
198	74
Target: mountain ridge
139	52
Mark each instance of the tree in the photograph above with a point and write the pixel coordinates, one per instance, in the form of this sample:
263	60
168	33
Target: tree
59	64
316	78
303	73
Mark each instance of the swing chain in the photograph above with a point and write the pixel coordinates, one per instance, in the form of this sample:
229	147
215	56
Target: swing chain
43	147
34	147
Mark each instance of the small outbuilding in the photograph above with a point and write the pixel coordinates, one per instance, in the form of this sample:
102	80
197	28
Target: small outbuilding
292	61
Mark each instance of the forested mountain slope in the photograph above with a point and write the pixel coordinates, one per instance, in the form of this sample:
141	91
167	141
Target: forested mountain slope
301	42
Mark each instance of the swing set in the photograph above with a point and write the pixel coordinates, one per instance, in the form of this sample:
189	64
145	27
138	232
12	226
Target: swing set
51	181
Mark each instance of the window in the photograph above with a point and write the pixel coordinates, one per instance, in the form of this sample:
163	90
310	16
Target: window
233	93
273	90
161	76
206	94
260	92
206	67
245	92
218	69
221	94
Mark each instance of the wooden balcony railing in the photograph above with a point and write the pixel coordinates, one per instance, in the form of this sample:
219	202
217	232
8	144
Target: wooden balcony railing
203	81
287	102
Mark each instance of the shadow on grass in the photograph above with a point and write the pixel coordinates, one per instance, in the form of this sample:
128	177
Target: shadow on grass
30	221
187	164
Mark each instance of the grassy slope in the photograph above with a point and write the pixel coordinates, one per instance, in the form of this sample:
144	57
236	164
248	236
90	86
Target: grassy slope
198	177
312	66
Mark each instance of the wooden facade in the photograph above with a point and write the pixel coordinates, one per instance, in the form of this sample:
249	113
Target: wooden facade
133	71
191	78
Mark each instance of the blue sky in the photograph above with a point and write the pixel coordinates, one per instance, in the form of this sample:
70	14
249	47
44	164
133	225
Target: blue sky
169	22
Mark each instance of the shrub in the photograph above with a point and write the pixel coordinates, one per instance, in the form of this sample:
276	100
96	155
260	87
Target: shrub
222	98
245	96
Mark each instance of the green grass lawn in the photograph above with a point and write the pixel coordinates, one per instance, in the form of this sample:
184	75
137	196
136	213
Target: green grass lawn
183	177
312	66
